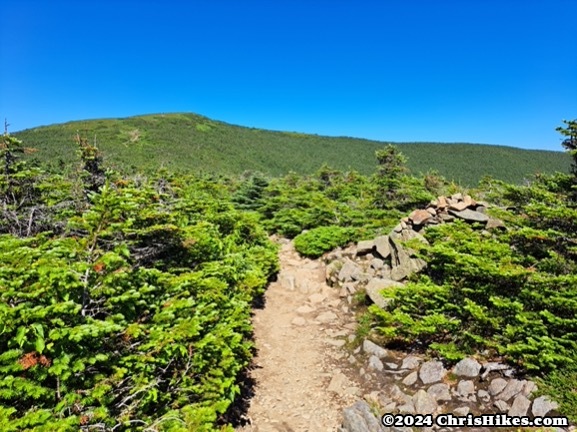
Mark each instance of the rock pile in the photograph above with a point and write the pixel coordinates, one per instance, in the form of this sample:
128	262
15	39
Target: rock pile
387	260
407	384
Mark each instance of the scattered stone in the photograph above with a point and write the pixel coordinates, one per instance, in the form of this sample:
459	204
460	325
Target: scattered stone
542	406
418	217
440	392
467	367
470	215
424	403
411	362
497	386
466	389
376	286
305	310
382	246
317	298
326	317
493	223
512	388
348	271
432	371
338	382
359	418
377	263
461	411
375	363
529	388
336	342
373	349
364	247
411	379
520	406
502	406
483	396
492	367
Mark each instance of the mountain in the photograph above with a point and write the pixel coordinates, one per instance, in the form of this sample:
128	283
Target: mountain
193	142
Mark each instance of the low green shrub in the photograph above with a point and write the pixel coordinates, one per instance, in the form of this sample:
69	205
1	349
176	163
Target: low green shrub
319	240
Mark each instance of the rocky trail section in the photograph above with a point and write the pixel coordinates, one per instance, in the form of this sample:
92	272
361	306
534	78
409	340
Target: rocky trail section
300	334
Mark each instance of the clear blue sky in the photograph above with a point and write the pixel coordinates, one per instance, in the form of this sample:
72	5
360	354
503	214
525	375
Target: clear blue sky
487	71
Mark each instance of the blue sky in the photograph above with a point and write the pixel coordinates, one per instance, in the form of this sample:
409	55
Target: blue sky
486	71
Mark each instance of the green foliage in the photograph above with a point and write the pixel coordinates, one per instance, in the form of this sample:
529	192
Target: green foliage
137	314
319	240
189	142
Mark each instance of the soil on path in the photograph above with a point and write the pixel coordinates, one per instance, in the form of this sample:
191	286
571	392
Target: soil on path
299	335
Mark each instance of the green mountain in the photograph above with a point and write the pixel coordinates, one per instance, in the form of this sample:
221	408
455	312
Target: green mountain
193	142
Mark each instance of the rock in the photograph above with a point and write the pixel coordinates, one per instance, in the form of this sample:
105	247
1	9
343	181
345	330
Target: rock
375	363
457	196
338	382
317	298
492	367
377	263
432	211
326	317
382	246
446	217
497	386
483	396
419	217
411	379
542	406
461	411
305	310
520	406
364	247
440	392
467	367
348	271
458	206
512	388
529	388
372	348
442	202
392	365
502	406
470	215
424	403
359	418
493	223
465	389
432	371
376	286
411	362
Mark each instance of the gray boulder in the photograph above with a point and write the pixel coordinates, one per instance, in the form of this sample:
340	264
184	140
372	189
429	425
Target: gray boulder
359	418
382	246
520	406
432	371
470	215
542	406
376	286
467	367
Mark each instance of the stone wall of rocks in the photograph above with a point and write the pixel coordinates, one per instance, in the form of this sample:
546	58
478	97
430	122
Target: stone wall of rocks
408	383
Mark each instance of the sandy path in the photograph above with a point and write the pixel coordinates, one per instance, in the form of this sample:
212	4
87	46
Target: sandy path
300	335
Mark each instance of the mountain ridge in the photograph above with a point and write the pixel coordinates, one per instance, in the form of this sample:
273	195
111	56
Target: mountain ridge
188	141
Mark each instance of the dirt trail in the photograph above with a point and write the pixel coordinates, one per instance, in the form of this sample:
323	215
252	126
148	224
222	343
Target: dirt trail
300	335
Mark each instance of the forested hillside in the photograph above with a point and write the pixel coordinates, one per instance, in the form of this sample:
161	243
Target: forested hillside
189	142
125	299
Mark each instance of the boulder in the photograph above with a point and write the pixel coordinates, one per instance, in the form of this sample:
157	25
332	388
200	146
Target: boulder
512	388
359	418
373	349
440	392
411	379
520	406
349	271
432	371
467	367
470	215
494	223
419	217
382	246
411	362
543	406
497	386
424	403
364	247
376	286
